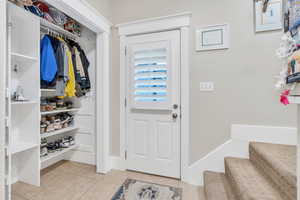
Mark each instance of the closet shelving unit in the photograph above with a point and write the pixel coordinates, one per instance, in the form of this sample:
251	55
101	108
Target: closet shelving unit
23	70
24	117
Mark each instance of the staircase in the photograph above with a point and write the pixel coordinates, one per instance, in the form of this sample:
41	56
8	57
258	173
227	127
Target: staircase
269	174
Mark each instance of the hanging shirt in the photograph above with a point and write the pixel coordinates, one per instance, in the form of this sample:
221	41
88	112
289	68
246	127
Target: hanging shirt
79	63
84	81
61	58
48	63
71	84
70	88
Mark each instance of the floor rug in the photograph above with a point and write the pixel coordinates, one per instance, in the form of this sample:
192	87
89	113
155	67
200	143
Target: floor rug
140	190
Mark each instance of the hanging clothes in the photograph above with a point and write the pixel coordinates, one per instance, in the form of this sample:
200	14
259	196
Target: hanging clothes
70	89
85	81
70	77
79	65
48	63
60	50
82	65
71	84
62	66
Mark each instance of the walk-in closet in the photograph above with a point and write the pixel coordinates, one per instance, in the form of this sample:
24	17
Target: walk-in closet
55	90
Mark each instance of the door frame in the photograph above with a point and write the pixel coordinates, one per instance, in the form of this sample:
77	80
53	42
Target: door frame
159	24
3	58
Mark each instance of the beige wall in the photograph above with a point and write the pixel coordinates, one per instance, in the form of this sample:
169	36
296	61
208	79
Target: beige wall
103	6
243	75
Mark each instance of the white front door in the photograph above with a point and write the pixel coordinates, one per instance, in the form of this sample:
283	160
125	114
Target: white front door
153	103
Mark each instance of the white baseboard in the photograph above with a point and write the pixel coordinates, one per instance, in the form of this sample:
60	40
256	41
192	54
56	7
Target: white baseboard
214	161
117	163
238	146
83	154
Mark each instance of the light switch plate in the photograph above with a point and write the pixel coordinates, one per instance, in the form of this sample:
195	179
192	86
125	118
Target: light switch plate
207	86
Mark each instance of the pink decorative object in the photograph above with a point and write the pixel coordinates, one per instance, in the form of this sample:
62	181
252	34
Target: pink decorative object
284	97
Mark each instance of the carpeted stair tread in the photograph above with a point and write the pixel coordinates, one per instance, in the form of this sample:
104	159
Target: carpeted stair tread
248	182
279	163
217	187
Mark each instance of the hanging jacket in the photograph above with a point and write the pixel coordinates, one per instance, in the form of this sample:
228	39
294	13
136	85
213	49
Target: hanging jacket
48	63
71	84
70	90
84	82
61	58
59	55
79	65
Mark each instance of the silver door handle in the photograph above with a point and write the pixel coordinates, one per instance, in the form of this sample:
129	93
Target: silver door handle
175	115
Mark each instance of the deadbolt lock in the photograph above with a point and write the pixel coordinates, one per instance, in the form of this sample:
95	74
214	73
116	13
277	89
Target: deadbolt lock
175	115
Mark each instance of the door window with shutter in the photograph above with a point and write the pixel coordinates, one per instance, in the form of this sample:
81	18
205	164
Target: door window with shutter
150	76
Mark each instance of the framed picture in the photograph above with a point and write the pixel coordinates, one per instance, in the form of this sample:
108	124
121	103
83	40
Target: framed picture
271	19
212	37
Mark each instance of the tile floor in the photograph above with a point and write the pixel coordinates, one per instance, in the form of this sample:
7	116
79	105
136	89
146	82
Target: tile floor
74	181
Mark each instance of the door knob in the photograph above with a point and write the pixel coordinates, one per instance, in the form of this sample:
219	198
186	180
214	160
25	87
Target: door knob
174	115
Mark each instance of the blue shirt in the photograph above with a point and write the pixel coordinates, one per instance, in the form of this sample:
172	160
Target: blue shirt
48	60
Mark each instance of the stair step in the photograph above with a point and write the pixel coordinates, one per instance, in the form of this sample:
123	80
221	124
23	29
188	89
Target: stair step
279	163
217	187
248	182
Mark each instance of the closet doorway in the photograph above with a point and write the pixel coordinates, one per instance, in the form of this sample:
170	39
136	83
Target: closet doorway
20	120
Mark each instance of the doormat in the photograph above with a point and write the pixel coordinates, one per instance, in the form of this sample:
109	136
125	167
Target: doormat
140	190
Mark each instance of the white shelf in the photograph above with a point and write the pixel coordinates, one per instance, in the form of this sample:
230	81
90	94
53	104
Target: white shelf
23	58
48	90
65	130
51	156
59	111
21	147
23	102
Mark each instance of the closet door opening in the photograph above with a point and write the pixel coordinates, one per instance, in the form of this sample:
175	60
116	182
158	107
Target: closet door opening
51	89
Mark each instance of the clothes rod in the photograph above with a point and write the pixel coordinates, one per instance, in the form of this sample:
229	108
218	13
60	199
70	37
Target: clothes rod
50	31
48	26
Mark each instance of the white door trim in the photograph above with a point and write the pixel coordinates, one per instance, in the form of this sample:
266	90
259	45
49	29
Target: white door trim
3	49
180	22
